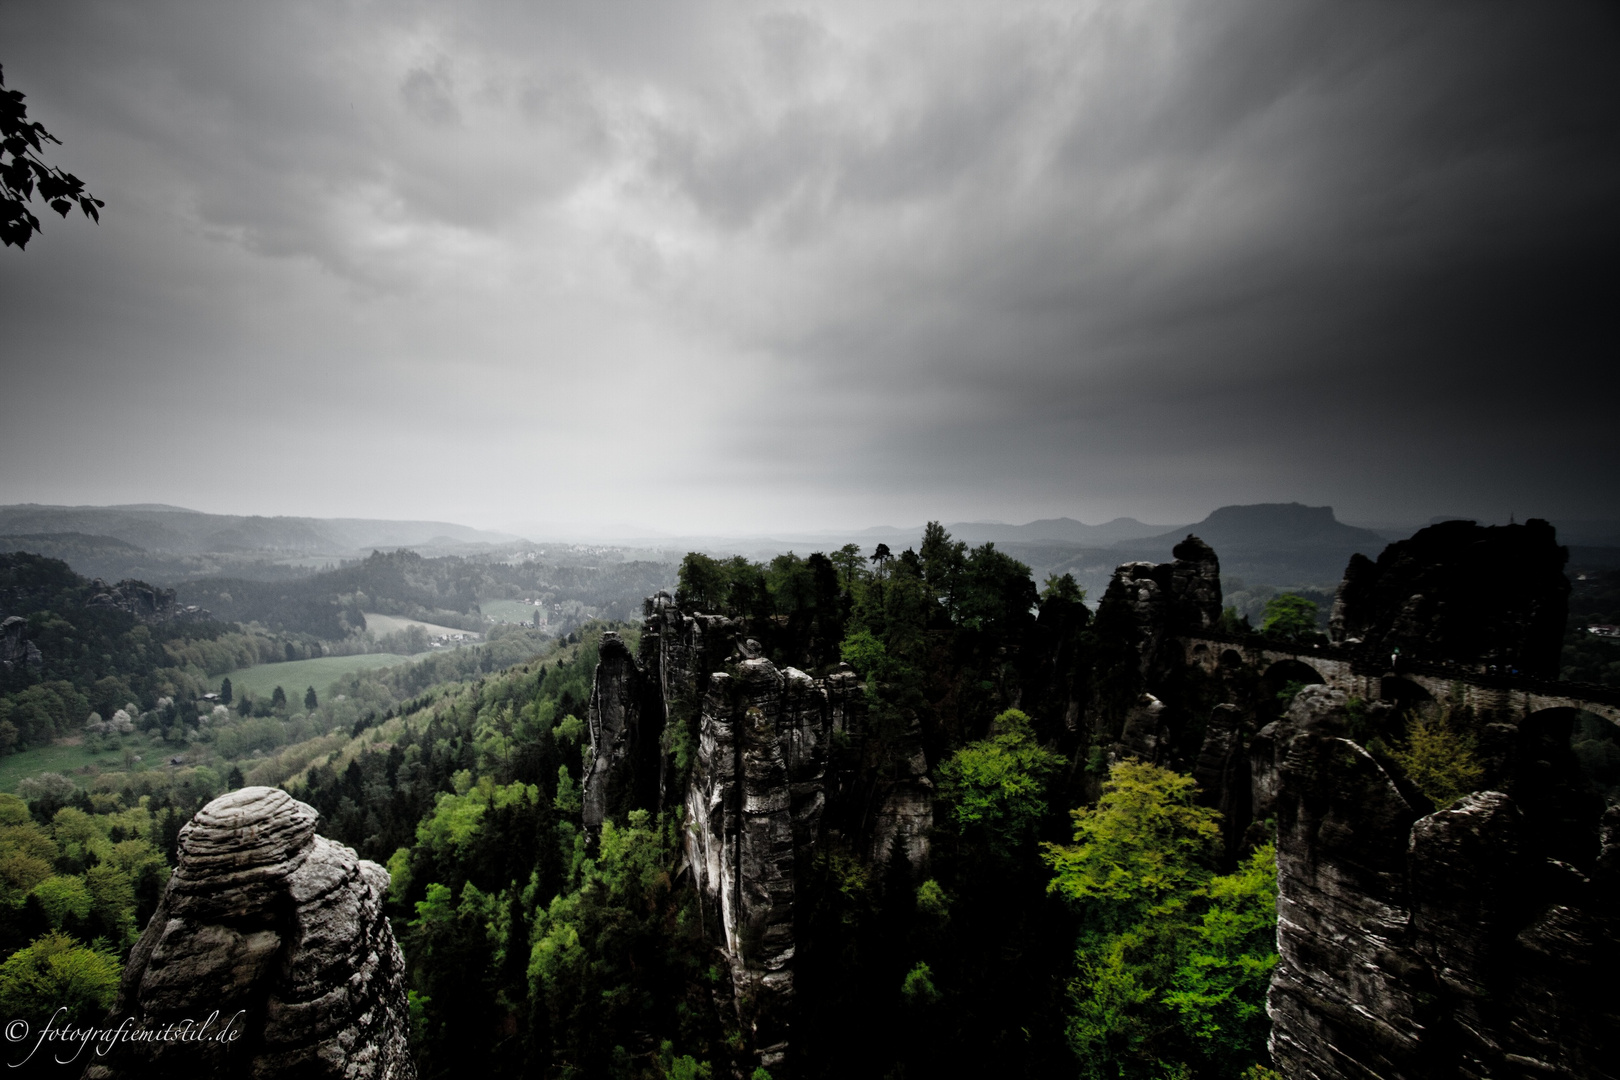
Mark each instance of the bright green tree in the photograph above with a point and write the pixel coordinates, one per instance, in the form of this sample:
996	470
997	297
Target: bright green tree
1173	960
1439	759
56	971
997	787
1289	617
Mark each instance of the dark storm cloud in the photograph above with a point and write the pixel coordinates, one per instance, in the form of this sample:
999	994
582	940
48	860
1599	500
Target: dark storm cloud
874	262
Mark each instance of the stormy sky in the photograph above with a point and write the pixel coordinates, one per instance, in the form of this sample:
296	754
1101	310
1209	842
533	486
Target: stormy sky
706	267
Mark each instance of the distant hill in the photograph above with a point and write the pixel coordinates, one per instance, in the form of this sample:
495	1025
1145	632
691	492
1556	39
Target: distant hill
174	531
1063	530
1275	543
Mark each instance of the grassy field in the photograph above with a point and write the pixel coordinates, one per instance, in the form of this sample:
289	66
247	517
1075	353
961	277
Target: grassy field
294	676
389	624
509	611
63	758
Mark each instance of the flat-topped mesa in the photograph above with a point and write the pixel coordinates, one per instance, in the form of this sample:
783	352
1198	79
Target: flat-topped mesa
282	930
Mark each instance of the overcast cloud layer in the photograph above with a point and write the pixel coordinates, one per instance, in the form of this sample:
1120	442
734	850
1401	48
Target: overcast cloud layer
711	267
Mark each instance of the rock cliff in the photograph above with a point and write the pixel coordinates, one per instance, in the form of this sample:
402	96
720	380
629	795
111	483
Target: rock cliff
1166	599
762	778
282	932
1419	943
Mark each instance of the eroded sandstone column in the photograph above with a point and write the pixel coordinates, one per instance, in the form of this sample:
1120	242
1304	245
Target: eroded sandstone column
281	932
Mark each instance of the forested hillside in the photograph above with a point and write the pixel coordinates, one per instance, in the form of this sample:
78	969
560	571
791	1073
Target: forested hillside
563	957
445	591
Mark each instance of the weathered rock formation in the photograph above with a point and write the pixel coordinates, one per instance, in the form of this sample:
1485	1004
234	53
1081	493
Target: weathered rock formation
763	778
1462	593
1166	599
147	603
16	650
634	699
1418	943
282	932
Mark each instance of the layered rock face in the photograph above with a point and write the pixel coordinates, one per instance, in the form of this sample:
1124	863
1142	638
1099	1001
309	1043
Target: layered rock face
282	932
633	699
1462	593
754	812
1417	943
762	782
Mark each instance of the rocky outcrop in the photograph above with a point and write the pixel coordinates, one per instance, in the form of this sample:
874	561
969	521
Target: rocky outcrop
763	778
16	650
147	603
1461	593
281	932
621	739
1166	599
1421	943
754	811
1222	772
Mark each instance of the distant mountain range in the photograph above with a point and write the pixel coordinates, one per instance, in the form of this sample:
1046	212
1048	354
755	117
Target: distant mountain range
1283	544
165	544
174	529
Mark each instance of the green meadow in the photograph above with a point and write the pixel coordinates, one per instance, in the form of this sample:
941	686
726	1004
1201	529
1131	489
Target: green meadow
294	676
509	611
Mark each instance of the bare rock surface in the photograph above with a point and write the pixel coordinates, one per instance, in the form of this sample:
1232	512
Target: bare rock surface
282	932
1419	944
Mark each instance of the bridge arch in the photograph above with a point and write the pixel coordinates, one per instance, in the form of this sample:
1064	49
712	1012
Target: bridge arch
1290	670
1231	660
1404	694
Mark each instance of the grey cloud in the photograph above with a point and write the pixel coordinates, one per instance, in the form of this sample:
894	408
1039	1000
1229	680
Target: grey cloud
1022	262
427	94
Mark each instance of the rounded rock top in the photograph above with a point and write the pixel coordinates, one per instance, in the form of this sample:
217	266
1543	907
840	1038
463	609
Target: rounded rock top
252	828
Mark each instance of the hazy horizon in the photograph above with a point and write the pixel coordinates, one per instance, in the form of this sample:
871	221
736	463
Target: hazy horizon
725	270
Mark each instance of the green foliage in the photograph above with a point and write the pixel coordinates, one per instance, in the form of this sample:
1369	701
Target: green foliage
1286	696
1173	961
55	971
1062	588
918	987
997	786
63	898
1145	843
1290	617
1439	759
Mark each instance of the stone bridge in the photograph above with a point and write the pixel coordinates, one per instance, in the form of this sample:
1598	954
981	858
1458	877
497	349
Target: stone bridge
1406	682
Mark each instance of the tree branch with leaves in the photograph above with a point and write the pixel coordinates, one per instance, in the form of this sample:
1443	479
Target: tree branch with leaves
22	173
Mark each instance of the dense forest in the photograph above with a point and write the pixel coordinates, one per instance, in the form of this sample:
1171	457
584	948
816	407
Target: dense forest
1078	911
1072	917
445	591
